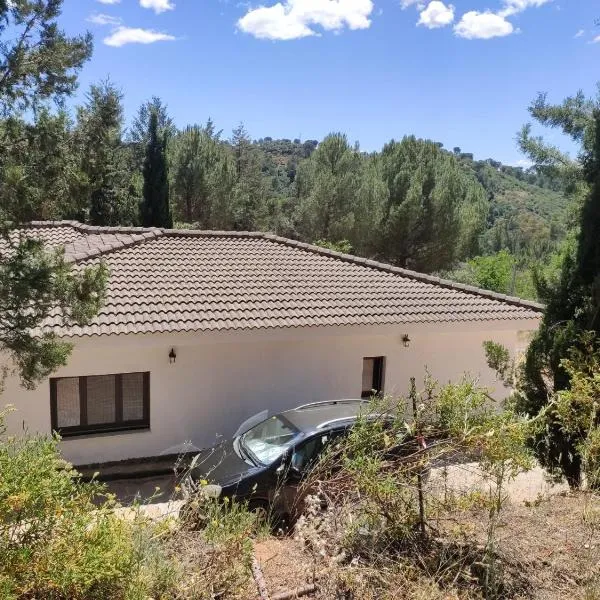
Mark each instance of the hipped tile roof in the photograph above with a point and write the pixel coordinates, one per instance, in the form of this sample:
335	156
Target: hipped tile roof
187	280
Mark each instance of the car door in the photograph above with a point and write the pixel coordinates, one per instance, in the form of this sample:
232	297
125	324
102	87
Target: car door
294	470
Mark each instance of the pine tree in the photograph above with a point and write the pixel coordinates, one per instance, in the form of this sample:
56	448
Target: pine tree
155	210
103	157
573	307
39	64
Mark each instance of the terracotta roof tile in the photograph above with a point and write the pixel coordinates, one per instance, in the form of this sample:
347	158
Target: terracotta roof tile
179	280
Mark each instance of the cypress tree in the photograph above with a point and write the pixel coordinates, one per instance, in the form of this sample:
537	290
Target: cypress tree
155	210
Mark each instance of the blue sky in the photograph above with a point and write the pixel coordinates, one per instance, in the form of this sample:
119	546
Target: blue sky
459	72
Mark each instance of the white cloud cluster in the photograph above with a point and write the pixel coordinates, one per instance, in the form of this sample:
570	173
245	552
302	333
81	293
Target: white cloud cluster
436	15
133	35
158	6
580	33
513	7
476	25
294	19
121	34
596	40
484	25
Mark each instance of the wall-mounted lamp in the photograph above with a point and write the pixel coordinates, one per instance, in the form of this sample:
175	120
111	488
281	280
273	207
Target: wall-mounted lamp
405	340
172	356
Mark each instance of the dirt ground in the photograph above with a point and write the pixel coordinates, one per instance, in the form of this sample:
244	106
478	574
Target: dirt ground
552	546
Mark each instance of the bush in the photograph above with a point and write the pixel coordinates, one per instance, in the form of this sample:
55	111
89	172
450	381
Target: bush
373	520
60	537
64	538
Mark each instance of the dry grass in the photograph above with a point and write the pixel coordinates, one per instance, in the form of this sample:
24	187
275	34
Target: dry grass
547	550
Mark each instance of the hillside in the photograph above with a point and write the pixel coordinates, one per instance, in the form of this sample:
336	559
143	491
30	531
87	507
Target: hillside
528	213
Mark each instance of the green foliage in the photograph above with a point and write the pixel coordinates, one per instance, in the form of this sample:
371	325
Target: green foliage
433	212
33	284
327	186
60	537
498	359
373	483
575	118
38	62
575	411
493	272
155	209
572	307
138	134
343	246
202	175
104	159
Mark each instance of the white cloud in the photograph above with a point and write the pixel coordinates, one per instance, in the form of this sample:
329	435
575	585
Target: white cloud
580	33
437	14
102	19
513	7
406	3
109	1
133	35
158	6
293	18
596	40
482	26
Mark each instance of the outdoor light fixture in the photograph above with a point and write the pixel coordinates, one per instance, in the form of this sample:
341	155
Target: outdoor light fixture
406	340
172	356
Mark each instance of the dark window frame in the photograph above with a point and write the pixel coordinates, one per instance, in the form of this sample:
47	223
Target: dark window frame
118	425
378	381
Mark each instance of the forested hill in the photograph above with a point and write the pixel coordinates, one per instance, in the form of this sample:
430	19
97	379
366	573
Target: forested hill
413	203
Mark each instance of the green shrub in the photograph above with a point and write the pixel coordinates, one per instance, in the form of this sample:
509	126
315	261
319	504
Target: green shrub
60	537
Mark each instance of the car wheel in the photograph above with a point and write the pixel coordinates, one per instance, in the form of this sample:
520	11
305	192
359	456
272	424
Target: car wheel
269	516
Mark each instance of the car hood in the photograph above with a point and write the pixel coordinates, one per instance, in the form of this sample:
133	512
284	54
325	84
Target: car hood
221	465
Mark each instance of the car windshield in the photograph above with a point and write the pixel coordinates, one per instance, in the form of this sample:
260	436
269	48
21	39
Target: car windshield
268	440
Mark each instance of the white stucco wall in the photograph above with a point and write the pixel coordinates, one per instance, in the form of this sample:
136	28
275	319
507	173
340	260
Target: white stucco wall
219	380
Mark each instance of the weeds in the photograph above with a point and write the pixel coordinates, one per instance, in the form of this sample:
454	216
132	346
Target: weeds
371	512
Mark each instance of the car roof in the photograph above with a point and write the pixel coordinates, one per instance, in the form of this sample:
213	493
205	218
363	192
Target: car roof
324	415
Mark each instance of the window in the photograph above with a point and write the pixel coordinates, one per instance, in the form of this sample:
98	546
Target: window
268	440
96	403
372	376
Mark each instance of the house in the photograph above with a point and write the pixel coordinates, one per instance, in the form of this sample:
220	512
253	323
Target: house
202	329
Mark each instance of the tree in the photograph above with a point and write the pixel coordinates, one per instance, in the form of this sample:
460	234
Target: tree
104	163
197	154
38	64
572	303
327	186
40	176
434	211
574	117
249	193
155	210
138	135
494	272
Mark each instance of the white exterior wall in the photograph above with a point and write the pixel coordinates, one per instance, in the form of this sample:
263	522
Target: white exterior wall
219	380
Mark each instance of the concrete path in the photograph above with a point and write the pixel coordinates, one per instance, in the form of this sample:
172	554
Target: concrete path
155	494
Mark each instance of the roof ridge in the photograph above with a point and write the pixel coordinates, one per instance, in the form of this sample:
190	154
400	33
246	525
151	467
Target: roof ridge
448	283
140	238
92	229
